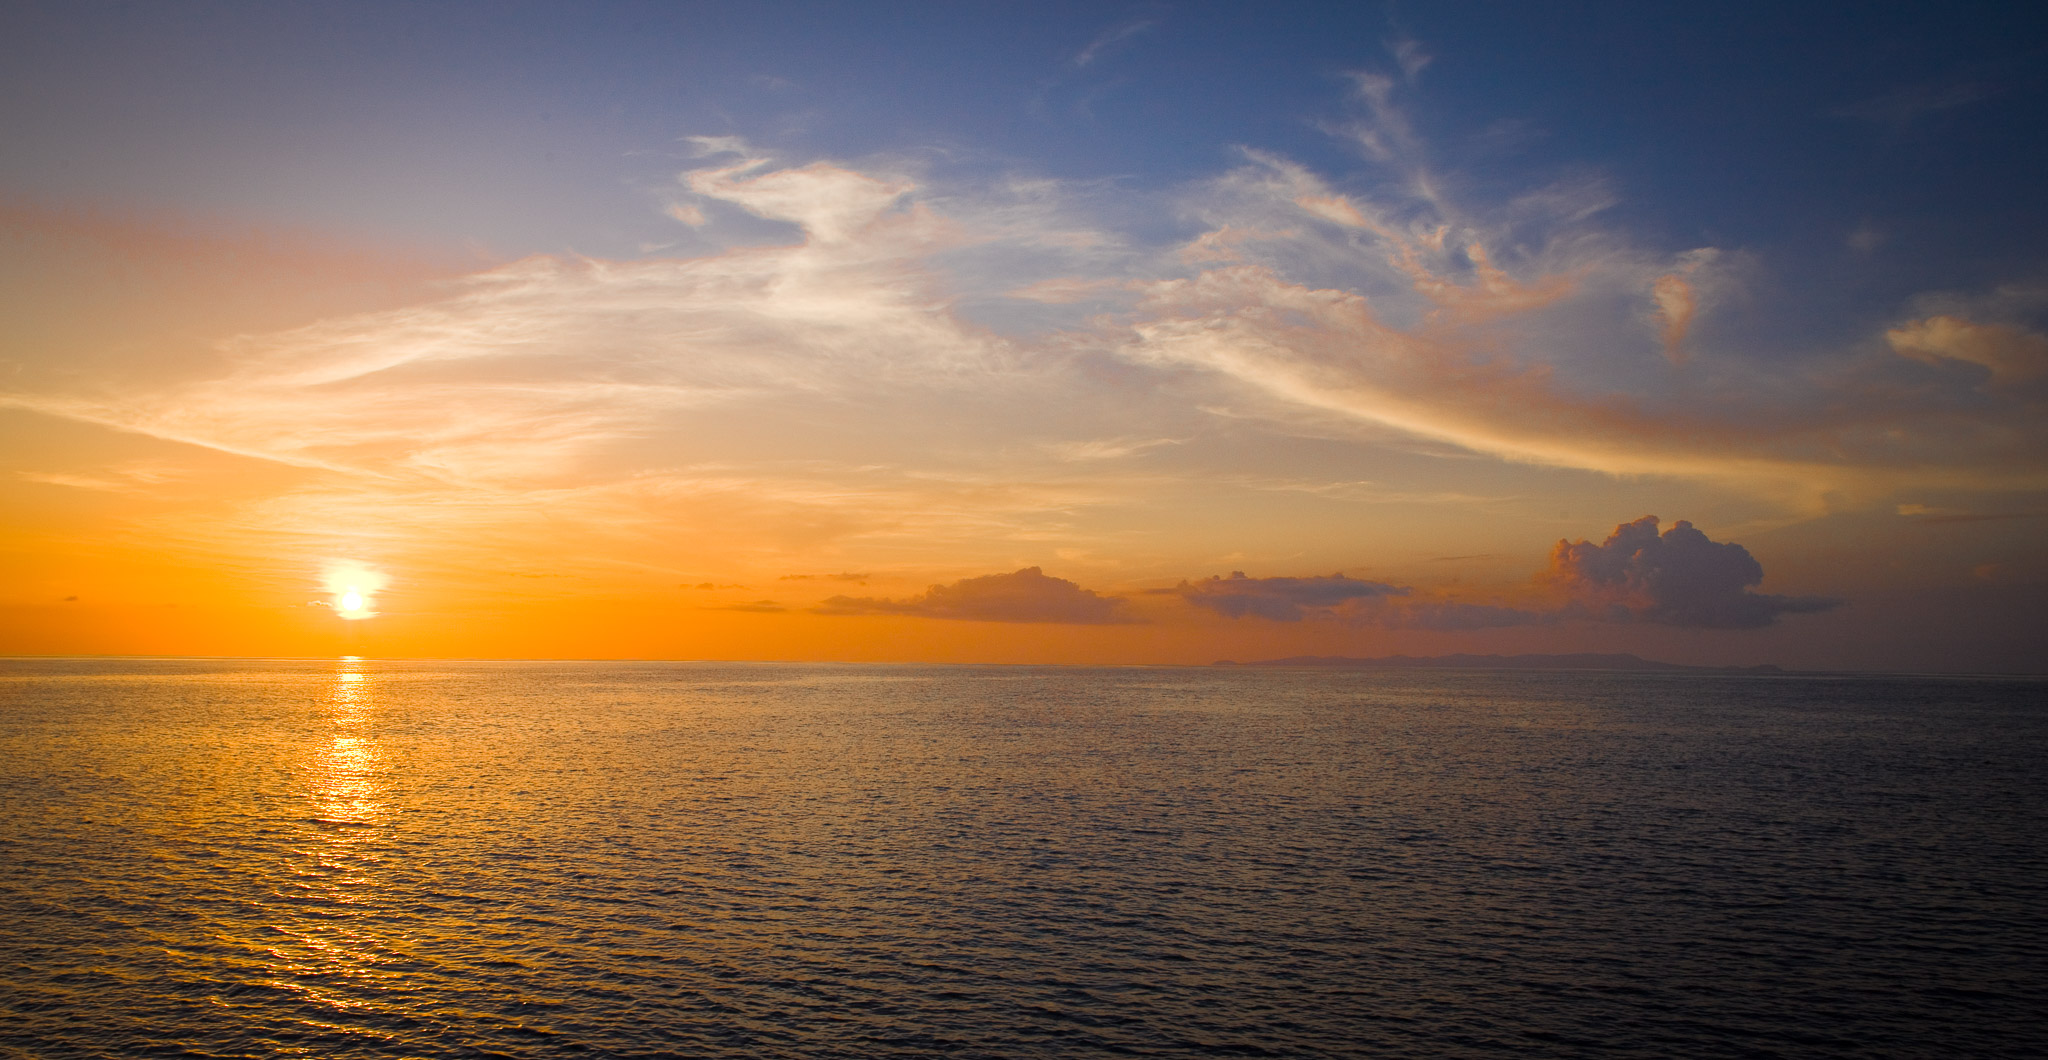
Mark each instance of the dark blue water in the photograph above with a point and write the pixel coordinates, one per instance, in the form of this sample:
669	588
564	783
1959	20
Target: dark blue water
436	859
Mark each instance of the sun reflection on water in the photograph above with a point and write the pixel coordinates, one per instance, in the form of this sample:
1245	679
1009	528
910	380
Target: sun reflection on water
336	956
348	778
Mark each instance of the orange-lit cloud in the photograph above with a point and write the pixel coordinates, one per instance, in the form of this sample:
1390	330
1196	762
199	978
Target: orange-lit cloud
1676	305
2012	355
1529	358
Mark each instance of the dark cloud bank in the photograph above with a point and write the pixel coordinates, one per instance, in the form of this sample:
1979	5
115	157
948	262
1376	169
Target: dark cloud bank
1343	599
1027	595
1280	599
1677	578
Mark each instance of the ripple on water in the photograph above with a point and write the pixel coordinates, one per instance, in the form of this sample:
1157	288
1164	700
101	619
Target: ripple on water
407	859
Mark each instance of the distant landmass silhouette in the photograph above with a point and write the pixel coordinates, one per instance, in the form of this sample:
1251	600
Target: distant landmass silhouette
1462	661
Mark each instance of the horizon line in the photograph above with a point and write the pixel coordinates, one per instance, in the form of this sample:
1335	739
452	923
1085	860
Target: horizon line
1681	669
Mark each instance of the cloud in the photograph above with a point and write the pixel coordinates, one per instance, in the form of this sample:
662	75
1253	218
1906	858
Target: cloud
1353	601
709	146
1028	595
1901	107
1505	330
1105	448
527	369
131	478
1409	55
844	576
77	482
1110	38
1280	599
1865	238
1675	305
1928	514
1678	578
832	204
1067	290
758	607
2013	355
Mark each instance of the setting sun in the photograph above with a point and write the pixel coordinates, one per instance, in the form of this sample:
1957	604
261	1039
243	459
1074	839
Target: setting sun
352	588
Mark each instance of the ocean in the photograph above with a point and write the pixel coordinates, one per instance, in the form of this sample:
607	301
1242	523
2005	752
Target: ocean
360	858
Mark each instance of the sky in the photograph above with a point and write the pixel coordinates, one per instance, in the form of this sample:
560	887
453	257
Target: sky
1050	333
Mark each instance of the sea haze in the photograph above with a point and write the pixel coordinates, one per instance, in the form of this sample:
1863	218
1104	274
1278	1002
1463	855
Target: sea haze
367	858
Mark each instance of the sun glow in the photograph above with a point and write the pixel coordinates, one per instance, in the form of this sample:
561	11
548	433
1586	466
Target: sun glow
353	588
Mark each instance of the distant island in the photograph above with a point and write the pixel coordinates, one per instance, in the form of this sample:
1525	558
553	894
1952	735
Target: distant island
1462	661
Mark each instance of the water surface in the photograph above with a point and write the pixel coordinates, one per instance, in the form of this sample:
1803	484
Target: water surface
367	858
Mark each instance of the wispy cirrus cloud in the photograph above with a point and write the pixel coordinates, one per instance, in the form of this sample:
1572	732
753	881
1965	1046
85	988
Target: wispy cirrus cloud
1529	332
1111	38
529	368
1902	106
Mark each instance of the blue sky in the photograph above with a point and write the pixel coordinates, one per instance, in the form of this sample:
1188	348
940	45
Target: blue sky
1767	125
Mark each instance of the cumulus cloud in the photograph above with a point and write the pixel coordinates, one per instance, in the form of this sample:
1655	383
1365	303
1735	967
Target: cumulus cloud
1678	578
1280	599
1028	595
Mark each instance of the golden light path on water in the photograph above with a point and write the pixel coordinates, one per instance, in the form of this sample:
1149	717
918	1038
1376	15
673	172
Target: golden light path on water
344	861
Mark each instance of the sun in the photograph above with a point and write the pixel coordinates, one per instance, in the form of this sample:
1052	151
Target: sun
352	588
